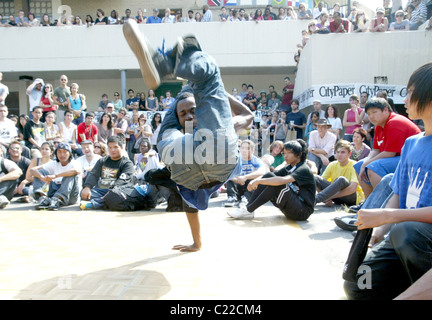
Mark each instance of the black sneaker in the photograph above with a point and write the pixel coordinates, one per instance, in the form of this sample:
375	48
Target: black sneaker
54	204
346	223
355	208
44	203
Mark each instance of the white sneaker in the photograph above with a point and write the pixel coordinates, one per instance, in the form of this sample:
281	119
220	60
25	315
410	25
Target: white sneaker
3	202
241	213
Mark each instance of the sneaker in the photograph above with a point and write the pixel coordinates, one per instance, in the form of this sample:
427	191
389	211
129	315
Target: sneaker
86	205
231	202
54	205
241	214
154	66
346	223
243	202
3	202
355	208
44	203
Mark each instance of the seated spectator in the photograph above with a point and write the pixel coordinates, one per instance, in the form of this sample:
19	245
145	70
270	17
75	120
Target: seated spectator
101	19
89	20
400	24
276	152
332	117
108	172
69	133
121	123
391	131
140	18
339	184
321	145
360	22
32	21
34	133
168	18
318	108
51	128
353	117
336	9
89	159
419	14
63	178
291	189
251	168
147	159
144	130
131	139
296	119
400	229
273	102
100	149
360	149
312	125
323	23
46	154
103	103
21	20
131	100
379	23
15	154
168	101
224	15
303	13
9	175
339	24
105	127
8	130
87	130
291	14
114	17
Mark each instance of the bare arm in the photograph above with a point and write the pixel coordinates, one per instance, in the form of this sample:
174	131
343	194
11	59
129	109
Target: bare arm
242	116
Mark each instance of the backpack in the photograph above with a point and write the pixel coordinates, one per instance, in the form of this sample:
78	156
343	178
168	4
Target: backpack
127	198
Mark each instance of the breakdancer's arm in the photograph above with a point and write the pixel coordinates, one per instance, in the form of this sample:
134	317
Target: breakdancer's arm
242	116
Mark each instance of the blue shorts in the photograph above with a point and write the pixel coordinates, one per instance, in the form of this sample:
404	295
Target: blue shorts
381	167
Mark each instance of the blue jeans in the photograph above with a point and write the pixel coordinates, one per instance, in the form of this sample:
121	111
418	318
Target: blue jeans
381	167
184	153
96	197
67	192
399	260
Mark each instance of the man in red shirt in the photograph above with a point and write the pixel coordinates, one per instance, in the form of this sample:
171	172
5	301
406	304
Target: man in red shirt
288	92
391	131
87	130
338	25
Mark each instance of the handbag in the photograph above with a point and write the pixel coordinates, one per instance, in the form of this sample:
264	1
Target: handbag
291	135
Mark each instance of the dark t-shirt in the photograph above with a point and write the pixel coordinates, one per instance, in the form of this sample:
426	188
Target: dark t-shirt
35	131
304	180
299	119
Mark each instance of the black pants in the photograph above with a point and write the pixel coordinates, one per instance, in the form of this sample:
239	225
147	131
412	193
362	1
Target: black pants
282	197
236	190
7	188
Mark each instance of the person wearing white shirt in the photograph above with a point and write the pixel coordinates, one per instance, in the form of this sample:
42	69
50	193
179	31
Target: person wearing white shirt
89	159
7	128
34	92
62	176
168	18
321	145
4	90
319	10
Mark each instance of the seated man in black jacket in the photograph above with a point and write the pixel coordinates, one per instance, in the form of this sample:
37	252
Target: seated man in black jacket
110	171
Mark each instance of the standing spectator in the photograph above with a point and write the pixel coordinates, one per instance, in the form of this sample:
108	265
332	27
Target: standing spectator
101	19
34	130
296	119
89	20
47	101
108	172
21	20
127	16
63	177
379	23
168	18
321	145
336	8
32	21
60	97
155	17
272	14
339	24
76	103
34	92
190	17
155	125
400	23
224	15
140	18
131	131
143	130
12	21
236	95
288	92
4	90
9	175
105	127
419	14
87	130
319	10
353	117
291	14
208	16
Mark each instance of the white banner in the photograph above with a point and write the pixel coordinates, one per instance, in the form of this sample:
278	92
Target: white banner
340	93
